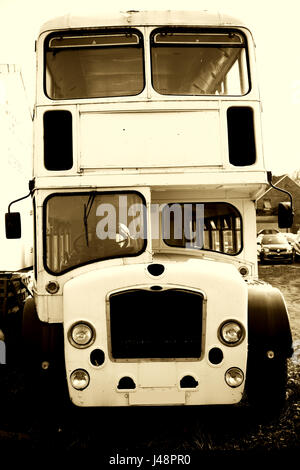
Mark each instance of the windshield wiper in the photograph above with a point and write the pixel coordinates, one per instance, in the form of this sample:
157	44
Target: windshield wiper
86	212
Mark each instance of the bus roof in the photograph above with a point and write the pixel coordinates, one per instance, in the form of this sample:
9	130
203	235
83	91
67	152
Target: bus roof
141	18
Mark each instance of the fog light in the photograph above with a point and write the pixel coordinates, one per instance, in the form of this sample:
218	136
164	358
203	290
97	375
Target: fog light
81	335
234	377
80	379
231	333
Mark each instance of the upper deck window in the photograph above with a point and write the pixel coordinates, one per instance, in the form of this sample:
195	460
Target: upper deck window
199	62
94	64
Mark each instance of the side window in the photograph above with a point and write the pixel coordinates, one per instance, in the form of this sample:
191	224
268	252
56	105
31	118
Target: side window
213	226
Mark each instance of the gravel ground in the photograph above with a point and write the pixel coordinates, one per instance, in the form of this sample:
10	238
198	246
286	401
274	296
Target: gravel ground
147	432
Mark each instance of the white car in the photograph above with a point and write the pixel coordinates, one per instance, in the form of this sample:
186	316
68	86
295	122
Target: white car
266	231
275	247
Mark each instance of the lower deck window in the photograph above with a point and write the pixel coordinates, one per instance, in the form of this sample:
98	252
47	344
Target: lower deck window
214	226
81	228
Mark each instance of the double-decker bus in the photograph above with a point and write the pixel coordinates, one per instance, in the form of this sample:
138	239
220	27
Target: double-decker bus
147	163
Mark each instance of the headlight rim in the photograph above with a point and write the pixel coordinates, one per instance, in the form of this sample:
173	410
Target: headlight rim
232	344
81	346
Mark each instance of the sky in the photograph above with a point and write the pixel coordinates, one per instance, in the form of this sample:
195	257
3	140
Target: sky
276	33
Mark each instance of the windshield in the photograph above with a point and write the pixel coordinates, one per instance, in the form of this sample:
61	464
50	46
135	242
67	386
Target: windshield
198	62
214	226
94	65
81	228
274	239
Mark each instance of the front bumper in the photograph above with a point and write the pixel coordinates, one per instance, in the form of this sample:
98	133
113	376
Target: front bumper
276	256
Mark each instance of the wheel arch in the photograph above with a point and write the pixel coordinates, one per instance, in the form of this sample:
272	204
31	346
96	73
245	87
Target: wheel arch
42	341
268	322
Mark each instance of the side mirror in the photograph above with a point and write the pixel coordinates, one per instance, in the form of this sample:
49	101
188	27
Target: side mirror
13	225
285	215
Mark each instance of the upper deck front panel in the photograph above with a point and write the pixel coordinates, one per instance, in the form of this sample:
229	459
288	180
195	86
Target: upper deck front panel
150	139
144	92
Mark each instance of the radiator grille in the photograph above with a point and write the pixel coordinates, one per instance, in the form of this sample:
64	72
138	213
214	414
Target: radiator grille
156	324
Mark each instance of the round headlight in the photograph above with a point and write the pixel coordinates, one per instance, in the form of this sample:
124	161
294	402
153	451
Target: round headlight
234	377
80	379
231	333
81	335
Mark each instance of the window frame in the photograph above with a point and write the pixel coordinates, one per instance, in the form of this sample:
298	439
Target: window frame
95	260
91	32
241	230
200	29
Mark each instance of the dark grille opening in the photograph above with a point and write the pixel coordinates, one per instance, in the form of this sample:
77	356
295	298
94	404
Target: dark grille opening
126	383
188	382
156	324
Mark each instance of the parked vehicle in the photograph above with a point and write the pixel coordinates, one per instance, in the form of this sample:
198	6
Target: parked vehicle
275	247
265	231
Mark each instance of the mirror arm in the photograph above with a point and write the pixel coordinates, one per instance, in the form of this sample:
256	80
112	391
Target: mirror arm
269	176
17	200
31	187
